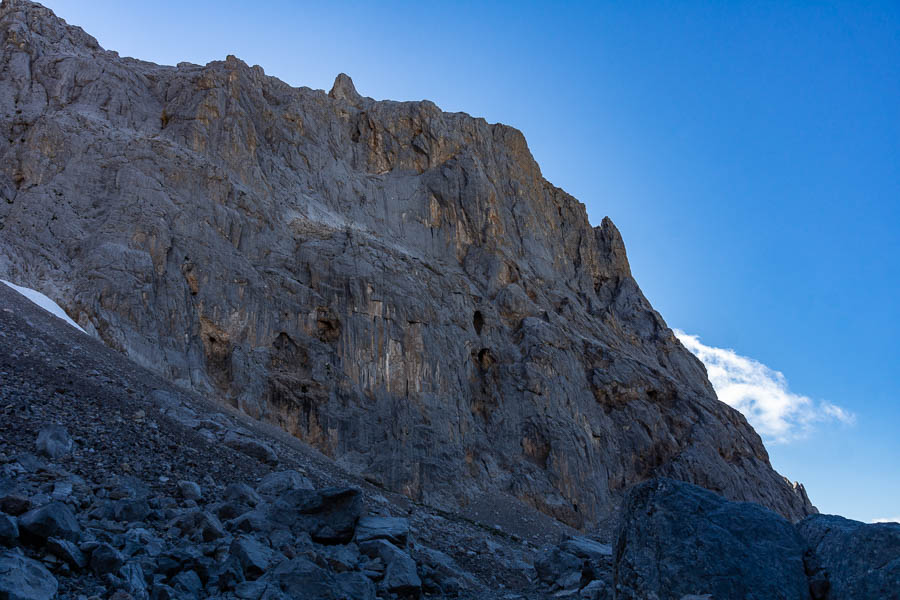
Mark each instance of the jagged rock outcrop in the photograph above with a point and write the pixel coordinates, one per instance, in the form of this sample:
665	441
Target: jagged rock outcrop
677	540
849	559
395	285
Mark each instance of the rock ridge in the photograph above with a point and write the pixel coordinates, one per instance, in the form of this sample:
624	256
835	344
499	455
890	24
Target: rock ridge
397	286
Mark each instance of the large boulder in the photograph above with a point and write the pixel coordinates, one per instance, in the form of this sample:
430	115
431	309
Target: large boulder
301	579
54	442
24	579
849	559
400	575
328	515
275	484
51	520
252	447
393	529
253	556
677	539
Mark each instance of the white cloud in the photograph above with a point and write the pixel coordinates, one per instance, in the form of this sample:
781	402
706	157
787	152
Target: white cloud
761	393
889	520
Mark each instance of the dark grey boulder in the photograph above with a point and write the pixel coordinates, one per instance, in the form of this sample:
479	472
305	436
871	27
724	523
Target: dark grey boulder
188	584
354	586
850	559
328	515
250	590
162	591
132	574
67	552
54	442
587	548
130	509
241	493
275	484
200	525
106	559
51	520
340	558
15	503
251	447
401	577
189	490
24	579
400	574
9	529
301	579
142	541
678	539
393	529
253	556
441	573
254	521
555	566
226	511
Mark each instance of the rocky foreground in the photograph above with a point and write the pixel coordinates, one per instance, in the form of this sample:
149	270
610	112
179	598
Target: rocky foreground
115	484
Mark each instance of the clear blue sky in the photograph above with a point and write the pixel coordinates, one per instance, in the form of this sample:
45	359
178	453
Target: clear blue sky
749	153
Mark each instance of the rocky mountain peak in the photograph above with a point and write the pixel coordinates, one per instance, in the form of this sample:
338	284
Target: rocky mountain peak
397	286
30	26
343	89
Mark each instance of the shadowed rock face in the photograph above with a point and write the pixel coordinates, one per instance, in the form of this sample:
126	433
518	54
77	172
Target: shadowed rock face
678	541
396	285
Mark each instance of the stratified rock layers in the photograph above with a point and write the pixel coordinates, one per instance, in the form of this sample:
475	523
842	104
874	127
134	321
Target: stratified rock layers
396	285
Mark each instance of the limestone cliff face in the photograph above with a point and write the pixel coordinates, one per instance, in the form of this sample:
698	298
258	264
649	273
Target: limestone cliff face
396	285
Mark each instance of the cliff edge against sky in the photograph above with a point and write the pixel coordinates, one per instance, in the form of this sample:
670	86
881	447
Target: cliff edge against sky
395	285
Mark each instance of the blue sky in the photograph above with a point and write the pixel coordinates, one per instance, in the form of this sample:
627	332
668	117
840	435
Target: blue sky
749	153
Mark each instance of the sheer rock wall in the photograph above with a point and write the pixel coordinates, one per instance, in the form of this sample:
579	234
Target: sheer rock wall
396	285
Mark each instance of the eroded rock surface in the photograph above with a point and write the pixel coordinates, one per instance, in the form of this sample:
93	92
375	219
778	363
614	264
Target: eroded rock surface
849	559
678	540
395	285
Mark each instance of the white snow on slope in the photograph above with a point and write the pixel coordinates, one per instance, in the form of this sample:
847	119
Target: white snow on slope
44	302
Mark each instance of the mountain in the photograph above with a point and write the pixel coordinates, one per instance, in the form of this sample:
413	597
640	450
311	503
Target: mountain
396	286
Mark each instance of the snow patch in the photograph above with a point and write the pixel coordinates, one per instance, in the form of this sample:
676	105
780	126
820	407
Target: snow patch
44	302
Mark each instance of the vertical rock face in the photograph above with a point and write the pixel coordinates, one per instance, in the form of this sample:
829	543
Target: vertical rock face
396	285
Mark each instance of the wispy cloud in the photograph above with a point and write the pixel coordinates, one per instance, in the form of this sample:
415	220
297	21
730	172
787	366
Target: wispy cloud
888	520
762	394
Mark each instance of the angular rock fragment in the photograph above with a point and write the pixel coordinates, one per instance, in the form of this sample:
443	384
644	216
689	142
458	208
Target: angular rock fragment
393	529
22	578
400	574
189	490
254	557
9	529
54	442
328	515
106	559
51	520
67	552
251	447
241	493
275	484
